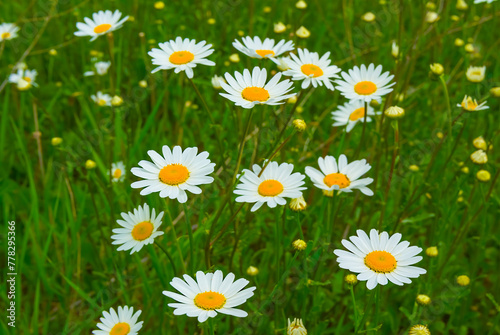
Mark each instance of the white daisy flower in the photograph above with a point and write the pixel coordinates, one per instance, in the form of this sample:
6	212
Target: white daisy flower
139	229
24	79
174	173
312	69
276	183
351	113
342	176
103	22
365	83
101	68
256	48
247	90
117	171
181	55
475	74
471	105
102	99
121	323
8	31
379	258
209	294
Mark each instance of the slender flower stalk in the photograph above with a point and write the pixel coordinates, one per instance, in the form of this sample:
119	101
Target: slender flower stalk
190	233
165	251
448	105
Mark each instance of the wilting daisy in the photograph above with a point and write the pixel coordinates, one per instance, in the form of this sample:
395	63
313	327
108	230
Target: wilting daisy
174	173
379	258
365	83
247	90
24	79
471	105
276	183
8	31
103	22
209	294
139	229
351	113
342	176
118	171
475	74
122	323
181	55
102	99
256	48
101	68
312	69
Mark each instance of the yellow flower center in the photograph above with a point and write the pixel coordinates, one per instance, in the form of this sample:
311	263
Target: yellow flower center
102	28
264	53
181	57
117	173
142	231
470	104
270	188
174	174
339	179
255	94
209	301
101	102
311	69
5	35
381	261
357	114
365	88
28	79
121	328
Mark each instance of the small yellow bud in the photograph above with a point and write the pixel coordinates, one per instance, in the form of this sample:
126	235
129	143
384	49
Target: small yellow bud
455	18
414	168
479	157
460	199
432	251
439	135
419	330
463	280
394	112
374	103
423	299
292	99
469	48
216	82
428	195
58	84
116	101
395	49
437	69
267	9
90	164
479	143
94	53
252	271
459	42
131	18
483	175
465	169
431	17
56	141
301	4
302	32
279	27
430	5
298	204
299	245
462	5
299	125
211	21
351	279
296	327
53	52
159	5
299	109
241	33
368	17
235	58
151	41
495	91
143	84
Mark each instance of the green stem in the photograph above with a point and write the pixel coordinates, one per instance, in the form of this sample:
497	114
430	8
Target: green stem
190	233
351	288
448	105
168	256
300	225
242	145
177	245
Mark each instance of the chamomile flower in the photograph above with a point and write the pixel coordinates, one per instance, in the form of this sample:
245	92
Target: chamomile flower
342	176
174	173
312	69
102	99
249	89
8	31
276	183
475	74
471	105
379	258
24	79
365	83
101	68
117	171
102	22
256	48
181	55
139	229
123	322
210	294
351	113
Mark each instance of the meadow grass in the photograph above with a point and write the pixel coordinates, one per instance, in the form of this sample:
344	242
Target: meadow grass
69	272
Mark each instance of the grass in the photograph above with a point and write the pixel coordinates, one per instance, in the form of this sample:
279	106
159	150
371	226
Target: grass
69	272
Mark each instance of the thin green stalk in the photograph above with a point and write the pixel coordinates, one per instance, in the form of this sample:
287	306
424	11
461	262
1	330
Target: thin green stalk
448	105
190	233
242	145
168	256
299	224
174	235
355	308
